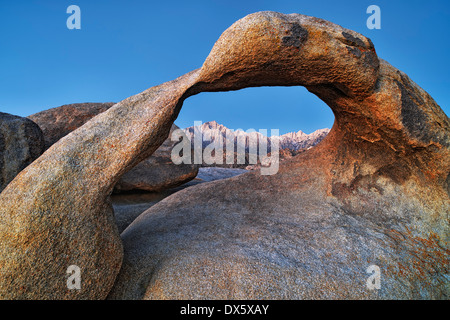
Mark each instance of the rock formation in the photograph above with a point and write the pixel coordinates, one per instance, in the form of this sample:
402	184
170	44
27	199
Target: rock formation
56	213
21	142
374	192
156	173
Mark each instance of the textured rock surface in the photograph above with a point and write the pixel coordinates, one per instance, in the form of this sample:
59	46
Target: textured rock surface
128	206
21	142
155	173
374	191
158	172
57	211
60	121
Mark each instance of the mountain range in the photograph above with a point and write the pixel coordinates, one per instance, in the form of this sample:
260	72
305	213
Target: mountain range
294	141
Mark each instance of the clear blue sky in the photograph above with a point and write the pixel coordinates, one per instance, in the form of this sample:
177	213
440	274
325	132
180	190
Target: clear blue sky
125	47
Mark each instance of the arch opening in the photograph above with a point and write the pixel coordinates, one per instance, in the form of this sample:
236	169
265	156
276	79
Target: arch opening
299	118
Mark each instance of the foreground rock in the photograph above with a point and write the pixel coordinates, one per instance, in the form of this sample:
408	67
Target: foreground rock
21	142
56	213
373	192
156	173
128	206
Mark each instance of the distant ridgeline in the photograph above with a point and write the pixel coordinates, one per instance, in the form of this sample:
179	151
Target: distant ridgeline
290	144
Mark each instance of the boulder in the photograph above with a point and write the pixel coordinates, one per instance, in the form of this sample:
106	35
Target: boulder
129	205
60	121
21	142
373	195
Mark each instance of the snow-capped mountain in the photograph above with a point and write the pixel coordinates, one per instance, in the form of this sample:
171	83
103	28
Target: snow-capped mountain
293	141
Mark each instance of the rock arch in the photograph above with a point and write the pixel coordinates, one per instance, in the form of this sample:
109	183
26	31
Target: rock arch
372	190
